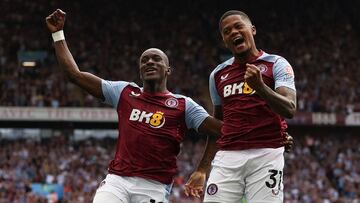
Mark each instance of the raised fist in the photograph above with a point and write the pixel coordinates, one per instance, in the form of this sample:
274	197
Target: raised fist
56	21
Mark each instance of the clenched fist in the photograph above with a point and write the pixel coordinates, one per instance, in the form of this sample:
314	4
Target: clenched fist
56	21
253	77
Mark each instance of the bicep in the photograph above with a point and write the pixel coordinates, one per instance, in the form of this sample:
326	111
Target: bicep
91	83
217	112
211	126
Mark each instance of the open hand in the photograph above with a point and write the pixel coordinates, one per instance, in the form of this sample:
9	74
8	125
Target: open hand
195	184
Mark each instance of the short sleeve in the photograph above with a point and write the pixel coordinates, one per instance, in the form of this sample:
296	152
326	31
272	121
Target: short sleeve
194	114
215	97
283	74
112	91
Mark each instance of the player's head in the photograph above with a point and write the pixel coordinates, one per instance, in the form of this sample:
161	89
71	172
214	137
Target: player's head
237	32
154	65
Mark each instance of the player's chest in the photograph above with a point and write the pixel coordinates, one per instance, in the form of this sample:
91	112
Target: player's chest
154	112
231	81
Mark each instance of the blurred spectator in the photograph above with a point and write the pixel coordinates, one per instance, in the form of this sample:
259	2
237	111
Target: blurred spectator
322	168
319	39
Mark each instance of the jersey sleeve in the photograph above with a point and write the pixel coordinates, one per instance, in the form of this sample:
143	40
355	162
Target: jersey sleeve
215	97
283	74
194	114
112	91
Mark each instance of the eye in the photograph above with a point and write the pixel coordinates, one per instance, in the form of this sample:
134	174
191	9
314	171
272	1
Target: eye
226	31
157	58
238	26
144	59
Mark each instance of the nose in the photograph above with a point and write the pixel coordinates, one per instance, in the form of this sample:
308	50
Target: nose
149	62
233	32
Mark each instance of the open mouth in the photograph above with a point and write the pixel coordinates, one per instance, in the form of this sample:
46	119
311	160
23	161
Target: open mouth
238	41
150	70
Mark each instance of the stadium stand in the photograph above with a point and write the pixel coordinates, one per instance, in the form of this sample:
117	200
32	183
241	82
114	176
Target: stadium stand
320	41
320	169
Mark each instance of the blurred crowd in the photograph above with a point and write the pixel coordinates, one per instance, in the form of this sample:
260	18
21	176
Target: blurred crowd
321	169
320	40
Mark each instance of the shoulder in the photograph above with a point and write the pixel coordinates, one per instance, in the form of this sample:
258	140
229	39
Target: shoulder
133	85
272	58
222	66
180	96
187	100
129	85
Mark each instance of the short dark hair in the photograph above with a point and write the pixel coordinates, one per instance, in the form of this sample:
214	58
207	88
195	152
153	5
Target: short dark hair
232	12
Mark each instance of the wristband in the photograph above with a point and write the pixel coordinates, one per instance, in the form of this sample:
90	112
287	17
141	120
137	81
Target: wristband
57	36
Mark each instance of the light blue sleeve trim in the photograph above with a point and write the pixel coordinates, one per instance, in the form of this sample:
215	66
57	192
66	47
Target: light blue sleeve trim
215	97
112	91
194	114
283	74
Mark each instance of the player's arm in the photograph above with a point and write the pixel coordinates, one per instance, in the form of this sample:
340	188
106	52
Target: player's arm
87	81
212	127
282	100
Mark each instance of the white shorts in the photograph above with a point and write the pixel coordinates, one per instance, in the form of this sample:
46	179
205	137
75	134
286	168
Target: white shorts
256	174
135	189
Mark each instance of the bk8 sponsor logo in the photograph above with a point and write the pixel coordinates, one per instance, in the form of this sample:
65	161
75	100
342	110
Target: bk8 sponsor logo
238	88
155	120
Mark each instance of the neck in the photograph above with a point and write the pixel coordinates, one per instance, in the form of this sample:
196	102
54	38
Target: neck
247	56
155	87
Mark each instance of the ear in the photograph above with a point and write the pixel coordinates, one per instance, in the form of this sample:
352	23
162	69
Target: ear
168	71
253	28
224	41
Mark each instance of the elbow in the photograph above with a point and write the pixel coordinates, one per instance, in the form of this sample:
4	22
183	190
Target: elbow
72	76
290	112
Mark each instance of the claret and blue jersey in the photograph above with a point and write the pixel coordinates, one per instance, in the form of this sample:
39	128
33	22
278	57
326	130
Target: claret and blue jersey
151	128
248	121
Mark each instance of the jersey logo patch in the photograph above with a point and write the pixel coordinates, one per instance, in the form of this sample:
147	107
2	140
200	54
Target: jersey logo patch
224	77
289	71
172	103
212	189
133	94
263	68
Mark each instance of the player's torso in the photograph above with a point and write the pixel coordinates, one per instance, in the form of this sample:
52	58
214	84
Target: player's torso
151	128
249	122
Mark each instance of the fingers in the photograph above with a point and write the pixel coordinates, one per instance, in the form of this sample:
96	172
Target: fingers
56	17
196	192
59	14
187	190
288	147
193	191
251	71
195	184
49	19
288	142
